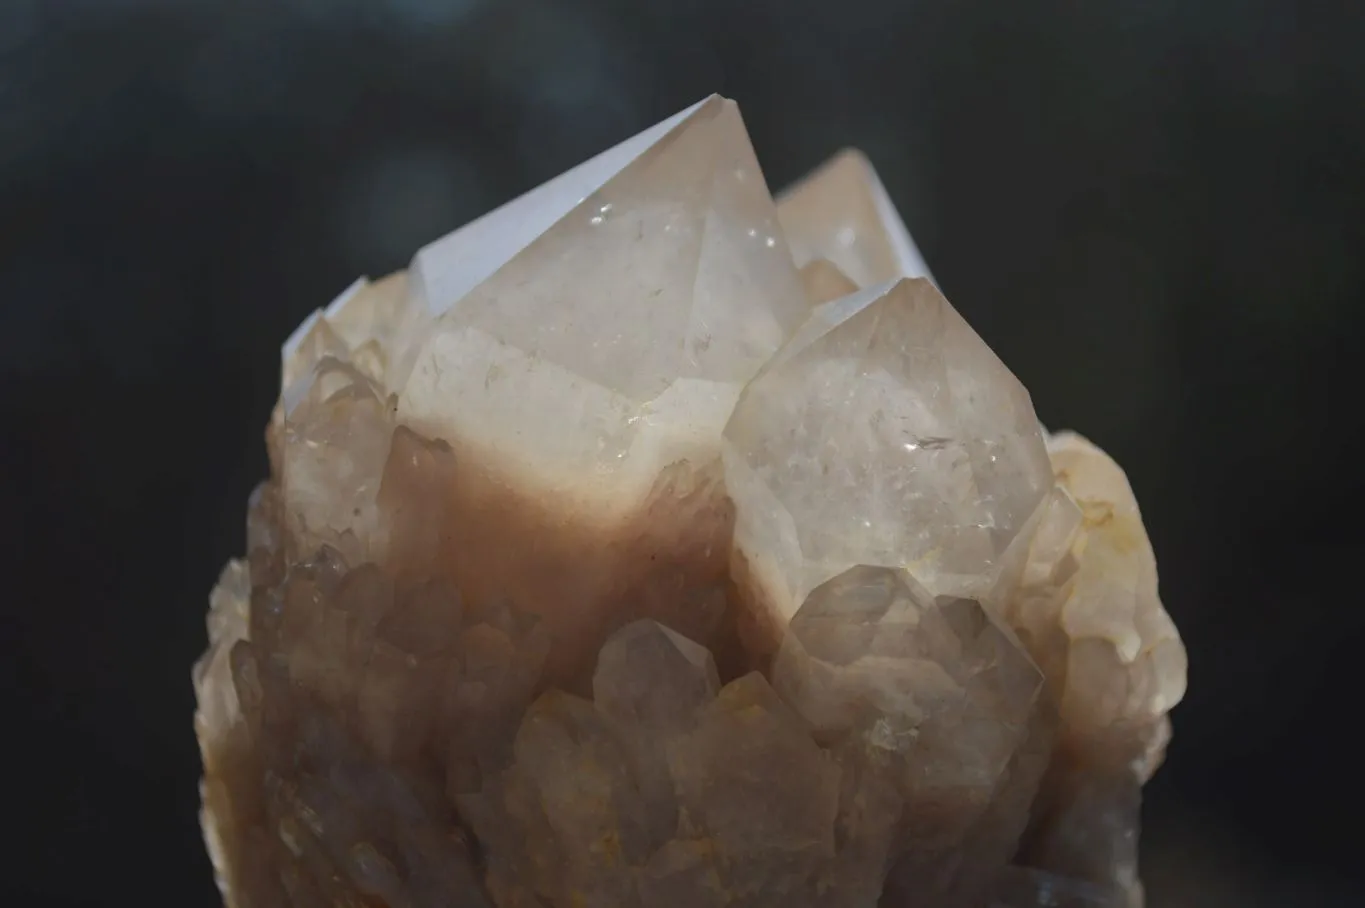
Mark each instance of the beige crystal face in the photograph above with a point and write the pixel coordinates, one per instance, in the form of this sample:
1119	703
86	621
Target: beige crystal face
841	213
884	433
623	553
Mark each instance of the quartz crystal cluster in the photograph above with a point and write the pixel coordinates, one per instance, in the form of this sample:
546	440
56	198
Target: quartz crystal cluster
650	542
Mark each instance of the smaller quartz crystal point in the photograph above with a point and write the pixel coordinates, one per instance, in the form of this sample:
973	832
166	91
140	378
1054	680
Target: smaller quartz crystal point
329	434
647	544
941	703
884	433
358	327
842	213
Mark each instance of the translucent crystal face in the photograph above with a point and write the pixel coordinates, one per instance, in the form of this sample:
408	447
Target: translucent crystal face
871	649
885	433
613	341
651	545
841	214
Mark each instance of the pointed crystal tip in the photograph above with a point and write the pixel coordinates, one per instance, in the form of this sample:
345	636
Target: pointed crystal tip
842	212
885	432
599	327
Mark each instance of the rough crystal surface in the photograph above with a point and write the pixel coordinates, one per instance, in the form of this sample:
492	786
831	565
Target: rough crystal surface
945	697
1091	580
647	543
1089	610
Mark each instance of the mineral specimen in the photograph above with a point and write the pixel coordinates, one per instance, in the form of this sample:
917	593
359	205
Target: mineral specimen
650	543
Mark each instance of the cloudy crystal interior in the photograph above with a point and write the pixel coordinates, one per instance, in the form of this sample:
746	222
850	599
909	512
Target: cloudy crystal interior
650	542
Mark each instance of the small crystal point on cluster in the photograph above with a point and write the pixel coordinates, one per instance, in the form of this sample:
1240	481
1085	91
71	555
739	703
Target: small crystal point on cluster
652	543
885	432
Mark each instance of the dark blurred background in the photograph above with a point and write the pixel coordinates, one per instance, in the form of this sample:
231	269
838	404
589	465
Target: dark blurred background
1153	209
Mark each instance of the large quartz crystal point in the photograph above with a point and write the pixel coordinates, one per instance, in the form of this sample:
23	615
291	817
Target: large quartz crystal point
885	433
941	700
841	214
584	346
